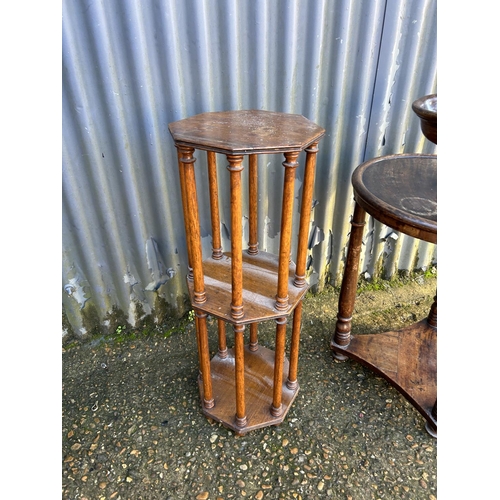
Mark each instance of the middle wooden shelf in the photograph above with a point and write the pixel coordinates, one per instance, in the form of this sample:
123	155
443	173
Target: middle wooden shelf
260	278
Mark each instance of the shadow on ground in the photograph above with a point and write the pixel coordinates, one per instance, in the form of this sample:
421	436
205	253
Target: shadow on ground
133	429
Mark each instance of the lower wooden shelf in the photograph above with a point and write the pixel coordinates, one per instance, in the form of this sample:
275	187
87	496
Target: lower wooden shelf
259	373
406	358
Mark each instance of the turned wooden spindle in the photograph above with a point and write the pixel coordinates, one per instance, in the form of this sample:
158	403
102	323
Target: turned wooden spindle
290	165
216	237
221	329
239	372
235	167
214	205
291	382
197	326
202	333
305	215
193	222
253	244
254	342
432	321
279	357
182	180
348	289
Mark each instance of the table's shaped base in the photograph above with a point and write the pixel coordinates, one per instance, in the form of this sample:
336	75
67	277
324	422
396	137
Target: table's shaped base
406	358
259	373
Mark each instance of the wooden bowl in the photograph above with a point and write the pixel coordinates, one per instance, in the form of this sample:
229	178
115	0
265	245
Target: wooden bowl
426	109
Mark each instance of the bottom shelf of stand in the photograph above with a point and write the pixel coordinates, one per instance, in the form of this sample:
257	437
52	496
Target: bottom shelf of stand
259	377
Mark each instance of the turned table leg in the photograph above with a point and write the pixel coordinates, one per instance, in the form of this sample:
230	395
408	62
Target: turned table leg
342	335
432	320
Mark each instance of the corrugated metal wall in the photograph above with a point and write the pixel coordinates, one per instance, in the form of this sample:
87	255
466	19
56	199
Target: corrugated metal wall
131	67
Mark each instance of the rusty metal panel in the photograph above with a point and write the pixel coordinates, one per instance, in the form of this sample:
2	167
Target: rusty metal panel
131	67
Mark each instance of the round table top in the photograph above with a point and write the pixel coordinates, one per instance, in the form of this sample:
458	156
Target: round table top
401	192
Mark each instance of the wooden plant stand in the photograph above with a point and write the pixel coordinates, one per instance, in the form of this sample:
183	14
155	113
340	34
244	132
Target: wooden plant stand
243	387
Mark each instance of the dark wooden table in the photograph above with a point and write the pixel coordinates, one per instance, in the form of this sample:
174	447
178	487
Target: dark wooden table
401	192
243	387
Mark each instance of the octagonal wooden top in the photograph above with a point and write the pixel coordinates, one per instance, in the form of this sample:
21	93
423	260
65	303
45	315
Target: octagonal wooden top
246	132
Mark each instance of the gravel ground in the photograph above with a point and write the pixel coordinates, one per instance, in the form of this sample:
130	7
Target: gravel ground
132	426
